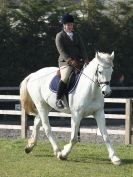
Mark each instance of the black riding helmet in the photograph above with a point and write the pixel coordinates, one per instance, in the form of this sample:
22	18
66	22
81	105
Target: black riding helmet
67	18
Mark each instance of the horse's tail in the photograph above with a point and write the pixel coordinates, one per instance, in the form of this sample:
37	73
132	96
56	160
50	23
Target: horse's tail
25	99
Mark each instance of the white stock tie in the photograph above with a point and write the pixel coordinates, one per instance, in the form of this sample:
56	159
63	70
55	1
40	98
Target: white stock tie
70	35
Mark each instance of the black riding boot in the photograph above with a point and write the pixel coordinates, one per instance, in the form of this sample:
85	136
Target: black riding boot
60	93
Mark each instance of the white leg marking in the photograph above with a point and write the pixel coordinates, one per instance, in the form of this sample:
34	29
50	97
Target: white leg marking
75	122
100	118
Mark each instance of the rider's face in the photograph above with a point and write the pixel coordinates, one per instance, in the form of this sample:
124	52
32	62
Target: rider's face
68	27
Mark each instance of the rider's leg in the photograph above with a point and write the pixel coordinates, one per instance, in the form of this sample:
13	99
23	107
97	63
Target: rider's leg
65	73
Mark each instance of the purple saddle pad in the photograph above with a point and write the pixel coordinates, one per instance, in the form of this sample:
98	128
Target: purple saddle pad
72	83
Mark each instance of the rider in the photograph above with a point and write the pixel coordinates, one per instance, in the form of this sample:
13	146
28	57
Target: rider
72	52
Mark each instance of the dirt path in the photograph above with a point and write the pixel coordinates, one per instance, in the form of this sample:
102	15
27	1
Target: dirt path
89	138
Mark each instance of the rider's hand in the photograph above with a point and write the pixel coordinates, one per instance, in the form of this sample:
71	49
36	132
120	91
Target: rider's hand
86	61
72	62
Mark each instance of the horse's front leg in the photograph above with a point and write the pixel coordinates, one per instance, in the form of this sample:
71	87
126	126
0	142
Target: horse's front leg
33	139
100	118
75	123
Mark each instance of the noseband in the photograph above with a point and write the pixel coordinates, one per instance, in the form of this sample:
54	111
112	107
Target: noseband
105	83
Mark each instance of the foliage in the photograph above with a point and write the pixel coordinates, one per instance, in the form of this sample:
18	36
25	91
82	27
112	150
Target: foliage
84	160
121	14
27	35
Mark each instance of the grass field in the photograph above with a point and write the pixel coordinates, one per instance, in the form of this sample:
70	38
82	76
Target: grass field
85	160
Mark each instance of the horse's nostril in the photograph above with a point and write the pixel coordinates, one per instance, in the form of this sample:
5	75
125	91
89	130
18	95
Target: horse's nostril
103	92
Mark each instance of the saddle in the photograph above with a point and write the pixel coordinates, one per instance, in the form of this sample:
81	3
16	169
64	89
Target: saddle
71	85
73	79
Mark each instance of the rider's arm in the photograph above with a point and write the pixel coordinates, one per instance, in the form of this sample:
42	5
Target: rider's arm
60	47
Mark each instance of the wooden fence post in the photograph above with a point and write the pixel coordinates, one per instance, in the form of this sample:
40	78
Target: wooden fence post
128	122
23	124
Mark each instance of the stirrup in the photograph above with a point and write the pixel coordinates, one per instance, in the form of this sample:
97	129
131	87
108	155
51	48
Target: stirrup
59	104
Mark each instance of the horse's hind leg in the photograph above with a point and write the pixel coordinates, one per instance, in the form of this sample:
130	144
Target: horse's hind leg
33	139
100	118
43	110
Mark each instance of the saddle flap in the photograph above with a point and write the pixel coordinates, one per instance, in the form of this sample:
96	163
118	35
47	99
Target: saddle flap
71	85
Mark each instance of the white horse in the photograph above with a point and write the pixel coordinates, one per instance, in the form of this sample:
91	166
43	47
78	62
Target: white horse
86	99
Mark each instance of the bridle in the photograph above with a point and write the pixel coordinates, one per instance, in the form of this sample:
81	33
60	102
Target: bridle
96	74
101	83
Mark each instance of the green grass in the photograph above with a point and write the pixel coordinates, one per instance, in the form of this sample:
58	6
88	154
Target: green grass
85	160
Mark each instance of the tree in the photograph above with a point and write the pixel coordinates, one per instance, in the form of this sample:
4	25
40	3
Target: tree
27	35
28	45
121	15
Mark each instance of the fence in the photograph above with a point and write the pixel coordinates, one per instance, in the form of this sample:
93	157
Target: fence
24	127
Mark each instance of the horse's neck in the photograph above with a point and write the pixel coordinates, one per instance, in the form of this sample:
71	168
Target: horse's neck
88	80
90	70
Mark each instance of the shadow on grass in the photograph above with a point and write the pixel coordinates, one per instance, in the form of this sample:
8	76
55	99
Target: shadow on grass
44	155
87	159
127	161
99	160
90	160
76	160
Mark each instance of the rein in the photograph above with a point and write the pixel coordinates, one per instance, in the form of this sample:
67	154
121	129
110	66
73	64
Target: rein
85	74
95	82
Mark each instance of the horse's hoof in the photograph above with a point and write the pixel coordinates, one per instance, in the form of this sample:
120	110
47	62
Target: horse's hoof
60	157
116	161
28	149
56	152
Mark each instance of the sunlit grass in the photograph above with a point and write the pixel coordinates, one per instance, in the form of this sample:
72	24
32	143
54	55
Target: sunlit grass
85	160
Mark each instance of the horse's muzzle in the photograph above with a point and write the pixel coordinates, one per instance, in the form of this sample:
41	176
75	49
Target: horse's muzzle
106	94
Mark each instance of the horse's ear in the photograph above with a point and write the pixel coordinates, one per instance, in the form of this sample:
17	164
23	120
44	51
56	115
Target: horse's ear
98	56
112	55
